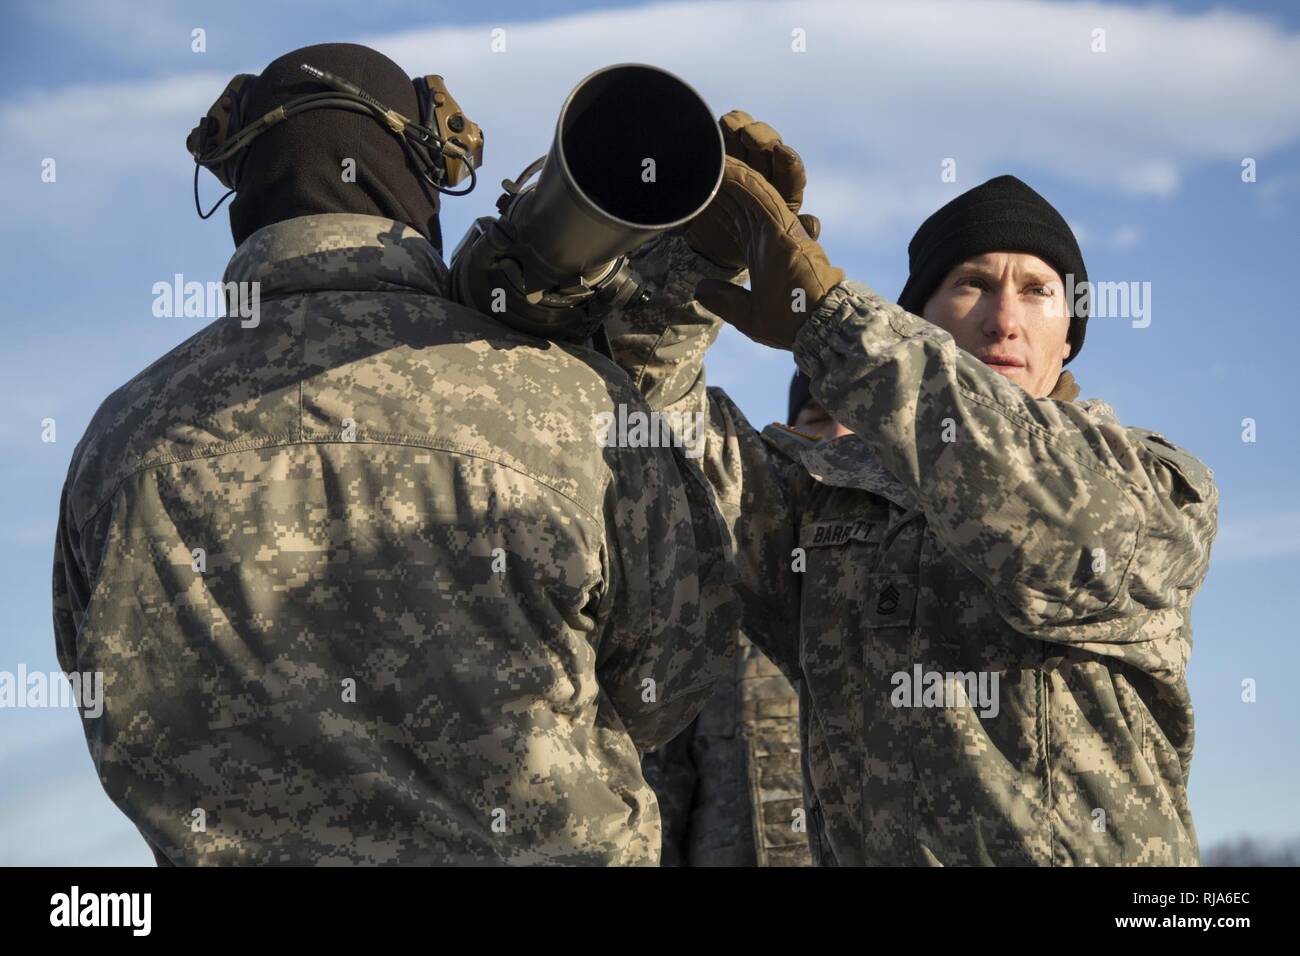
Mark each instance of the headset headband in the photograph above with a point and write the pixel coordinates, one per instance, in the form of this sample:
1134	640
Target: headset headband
447	143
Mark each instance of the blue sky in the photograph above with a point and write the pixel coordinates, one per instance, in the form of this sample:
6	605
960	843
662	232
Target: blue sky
1140	147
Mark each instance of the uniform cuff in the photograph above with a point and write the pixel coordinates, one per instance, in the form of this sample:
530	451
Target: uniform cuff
849	310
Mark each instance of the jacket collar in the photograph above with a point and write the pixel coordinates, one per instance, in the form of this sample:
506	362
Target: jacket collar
338	252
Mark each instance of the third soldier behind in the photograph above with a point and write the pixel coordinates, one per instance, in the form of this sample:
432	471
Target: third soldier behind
729	786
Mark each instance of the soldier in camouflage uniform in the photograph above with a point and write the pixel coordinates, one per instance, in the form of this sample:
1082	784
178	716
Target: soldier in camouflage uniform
976	527
361	582
729	785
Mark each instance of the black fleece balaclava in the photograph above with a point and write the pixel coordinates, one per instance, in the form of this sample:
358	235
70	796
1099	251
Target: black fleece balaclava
1001	215
295	168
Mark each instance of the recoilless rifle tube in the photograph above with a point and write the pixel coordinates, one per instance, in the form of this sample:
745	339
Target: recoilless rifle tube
636	152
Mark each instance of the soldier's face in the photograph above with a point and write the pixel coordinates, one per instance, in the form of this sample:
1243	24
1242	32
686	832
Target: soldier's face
815	420
1008	309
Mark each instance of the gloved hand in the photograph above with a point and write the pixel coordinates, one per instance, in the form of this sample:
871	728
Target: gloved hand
789	273
759	147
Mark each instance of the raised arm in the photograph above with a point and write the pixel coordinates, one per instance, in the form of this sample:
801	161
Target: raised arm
1076	523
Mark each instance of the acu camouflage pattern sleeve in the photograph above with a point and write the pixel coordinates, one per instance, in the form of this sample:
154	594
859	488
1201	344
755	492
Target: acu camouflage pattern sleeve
69	590
661	342
73	581
1086	532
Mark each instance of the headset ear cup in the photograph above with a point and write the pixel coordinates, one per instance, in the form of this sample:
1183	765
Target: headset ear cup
224	119
456	129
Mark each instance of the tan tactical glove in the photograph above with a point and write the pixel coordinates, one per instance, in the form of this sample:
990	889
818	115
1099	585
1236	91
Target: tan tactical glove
789	273
759	147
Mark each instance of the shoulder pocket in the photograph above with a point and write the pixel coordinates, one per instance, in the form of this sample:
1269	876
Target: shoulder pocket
1192	476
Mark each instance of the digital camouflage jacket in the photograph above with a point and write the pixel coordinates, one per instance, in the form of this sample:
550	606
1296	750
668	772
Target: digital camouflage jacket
365	588
985	598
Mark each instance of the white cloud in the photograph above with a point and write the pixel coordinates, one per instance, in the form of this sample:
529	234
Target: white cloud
1120	238
1126	237
129	125
120	27
886	92
883	94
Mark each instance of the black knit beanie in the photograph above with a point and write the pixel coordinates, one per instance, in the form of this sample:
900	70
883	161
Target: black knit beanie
294	168
1001	215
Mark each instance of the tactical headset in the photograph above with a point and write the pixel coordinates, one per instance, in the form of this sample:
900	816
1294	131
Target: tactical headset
446	144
